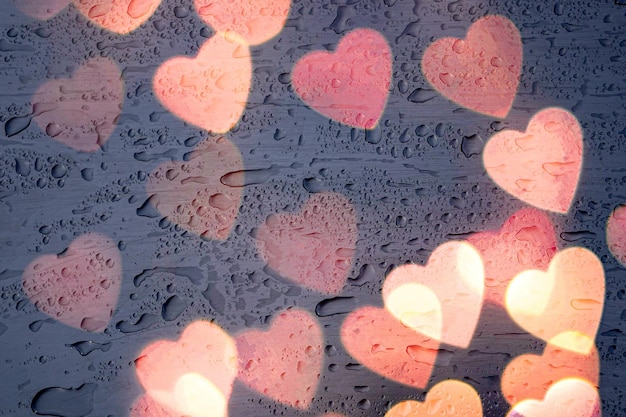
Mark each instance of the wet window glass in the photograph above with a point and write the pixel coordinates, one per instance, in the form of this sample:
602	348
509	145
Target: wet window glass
321	208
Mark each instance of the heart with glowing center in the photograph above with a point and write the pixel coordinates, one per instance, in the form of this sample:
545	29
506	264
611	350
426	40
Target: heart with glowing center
284	362
81	111
351	85
540	166
315	247
530	376
380	342
443	299
525	241
562	306
569	397
191	194
119	16
210	90
447	398
256	21
79	287
193	376
480	72
616	234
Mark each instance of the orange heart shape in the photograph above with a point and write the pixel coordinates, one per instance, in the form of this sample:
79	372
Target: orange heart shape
569	397
79	287
525	241
191	194
210	90
380	342
447	398
455	276
540	166
530	376
81	111
119	16
351	85
616	234
284	362
562	306
193	376
256	21
314	247
480	72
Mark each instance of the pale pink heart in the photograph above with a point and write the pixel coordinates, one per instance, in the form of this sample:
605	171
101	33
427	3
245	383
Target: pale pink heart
569	397
81	111
41	9
525	241
314	247
193	376
616	234
454	277
191	194
529	376
380	342
480	72
446	399
119	16
350	85
256	21
285	361
540	166
211	89
146	406
79	287
564	305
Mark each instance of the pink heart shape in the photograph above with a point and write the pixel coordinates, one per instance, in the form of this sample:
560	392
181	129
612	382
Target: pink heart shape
351	85
616	234
80	287
525	241
181	376
41	9
455	276
191	194
315	247
377	340
119	16
480	72
210	90
284	362
540	166
256	21
81	111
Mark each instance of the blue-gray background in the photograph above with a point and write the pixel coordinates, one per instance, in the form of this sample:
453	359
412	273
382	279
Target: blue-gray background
416	182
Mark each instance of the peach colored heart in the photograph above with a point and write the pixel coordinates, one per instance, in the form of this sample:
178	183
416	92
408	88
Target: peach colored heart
284	362
79	287
540	166
456	277
525	241
480	72
616	234
146	406
563	305
380	342
191	194
193	376
41	9
447	398
210	90
351	85
569	397
256	21
81	111
530	376
119	16
314	247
